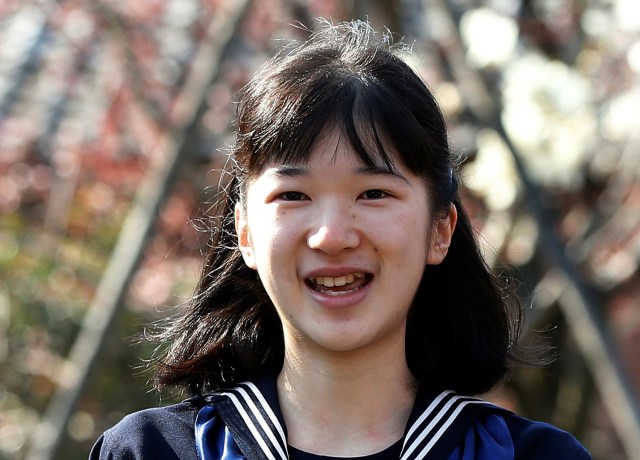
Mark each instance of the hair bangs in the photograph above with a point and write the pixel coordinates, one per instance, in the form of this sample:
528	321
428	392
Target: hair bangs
331	99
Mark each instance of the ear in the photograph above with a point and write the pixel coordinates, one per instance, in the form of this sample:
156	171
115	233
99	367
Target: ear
443	229
245	243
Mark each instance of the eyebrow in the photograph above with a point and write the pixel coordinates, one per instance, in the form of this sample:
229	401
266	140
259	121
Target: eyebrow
380	170
290	171
373	170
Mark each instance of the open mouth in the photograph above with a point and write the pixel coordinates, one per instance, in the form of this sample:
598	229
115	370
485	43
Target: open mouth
339	285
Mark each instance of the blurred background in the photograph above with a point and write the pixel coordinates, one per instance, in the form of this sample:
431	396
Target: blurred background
114	116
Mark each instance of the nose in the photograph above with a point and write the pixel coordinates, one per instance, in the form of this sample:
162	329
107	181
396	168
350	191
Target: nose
334	230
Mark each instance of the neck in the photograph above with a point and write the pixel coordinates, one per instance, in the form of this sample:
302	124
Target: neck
346	403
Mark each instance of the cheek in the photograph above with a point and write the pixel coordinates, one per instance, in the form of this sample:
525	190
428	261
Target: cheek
408	230
270	235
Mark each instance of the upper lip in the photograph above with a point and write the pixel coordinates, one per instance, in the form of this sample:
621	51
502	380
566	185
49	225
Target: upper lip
335	271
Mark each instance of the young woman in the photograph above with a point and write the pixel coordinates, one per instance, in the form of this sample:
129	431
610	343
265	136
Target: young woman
344	309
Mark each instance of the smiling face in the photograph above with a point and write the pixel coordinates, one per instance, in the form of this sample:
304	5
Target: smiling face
340	247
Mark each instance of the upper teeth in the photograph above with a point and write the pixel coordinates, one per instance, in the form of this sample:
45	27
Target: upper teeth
331	281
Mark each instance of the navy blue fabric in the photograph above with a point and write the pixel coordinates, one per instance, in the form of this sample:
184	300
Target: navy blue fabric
168	433
252	415
439	424
541	441
212	437
165	433
486	439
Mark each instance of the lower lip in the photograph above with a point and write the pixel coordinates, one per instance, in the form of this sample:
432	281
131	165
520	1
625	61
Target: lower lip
347	300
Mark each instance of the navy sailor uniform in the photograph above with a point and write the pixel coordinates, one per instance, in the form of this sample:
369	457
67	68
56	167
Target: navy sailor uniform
245	422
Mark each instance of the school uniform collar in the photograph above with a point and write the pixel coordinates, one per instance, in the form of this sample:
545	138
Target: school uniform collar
439	421
251	412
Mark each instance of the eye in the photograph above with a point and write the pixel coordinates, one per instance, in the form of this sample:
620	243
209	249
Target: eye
292	196
374	194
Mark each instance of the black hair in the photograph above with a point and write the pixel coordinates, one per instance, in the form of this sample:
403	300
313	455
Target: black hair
463	324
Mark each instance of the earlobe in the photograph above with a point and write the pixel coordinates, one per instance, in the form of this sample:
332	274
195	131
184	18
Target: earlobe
244	237
441	238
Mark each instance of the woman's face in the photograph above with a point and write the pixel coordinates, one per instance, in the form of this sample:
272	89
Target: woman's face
340	247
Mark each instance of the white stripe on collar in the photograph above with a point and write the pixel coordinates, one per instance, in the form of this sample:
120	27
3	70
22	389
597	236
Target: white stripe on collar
444	410
267	408
256	421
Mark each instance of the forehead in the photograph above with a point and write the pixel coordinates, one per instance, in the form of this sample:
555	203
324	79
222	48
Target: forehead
335	146
332	157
